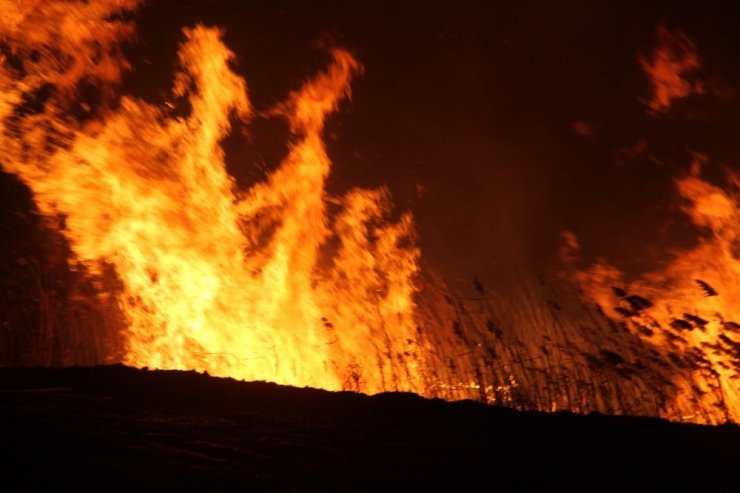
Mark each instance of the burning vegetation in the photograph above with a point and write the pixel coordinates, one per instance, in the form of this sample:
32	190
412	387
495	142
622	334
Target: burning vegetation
688	310
211	277
168	264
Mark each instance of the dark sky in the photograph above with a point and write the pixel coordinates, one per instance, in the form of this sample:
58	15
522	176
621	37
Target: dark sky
466	112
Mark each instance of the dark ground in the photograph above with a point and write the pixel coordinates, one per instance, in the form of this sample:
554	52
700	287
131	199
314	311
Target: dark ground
117	428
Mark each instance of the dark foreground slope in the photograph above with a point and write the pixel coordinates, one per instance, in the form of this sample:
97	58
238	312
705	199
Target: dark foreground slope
116	428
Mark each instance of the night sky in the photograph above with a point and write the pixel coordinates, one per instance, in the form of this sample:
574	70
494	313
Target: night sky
498	124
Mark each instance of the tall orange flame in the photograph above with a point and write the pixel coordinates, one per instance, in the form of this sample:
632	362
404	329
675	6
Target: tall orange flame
213	278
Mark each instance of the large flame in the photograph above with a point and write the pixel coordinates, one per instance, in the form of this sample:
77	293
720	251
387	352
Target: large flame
688	310
213	278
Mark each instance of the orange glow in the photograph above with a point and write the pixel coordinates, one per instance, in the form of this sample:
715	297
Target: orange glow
692	313
668	66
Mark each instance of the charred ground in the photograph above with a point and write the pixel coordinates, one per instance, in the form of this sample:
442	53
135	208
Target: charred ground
117	428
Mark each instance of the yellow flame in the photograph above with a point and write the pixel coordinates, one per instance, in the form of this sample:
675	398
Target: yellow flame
213	278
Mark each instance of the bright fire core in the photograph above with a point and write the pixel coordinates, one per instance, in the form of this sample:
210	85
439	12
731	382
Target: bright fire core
213	278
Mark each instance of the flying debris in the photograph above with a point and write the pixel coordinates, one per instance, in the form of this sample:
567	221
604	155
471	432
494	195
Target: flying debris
708	290
638	303
619	292
625	312
733	346
493	328
681	324
698	321
611	358
478	285
645	330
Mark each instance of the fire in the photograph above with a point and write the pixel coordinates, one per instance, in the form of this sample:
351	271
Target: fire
688	309
283	282
669	66
233	282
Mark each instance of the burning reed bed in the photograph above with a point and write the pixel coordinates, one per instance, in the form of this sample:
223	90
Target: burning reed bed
535	348
541	348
